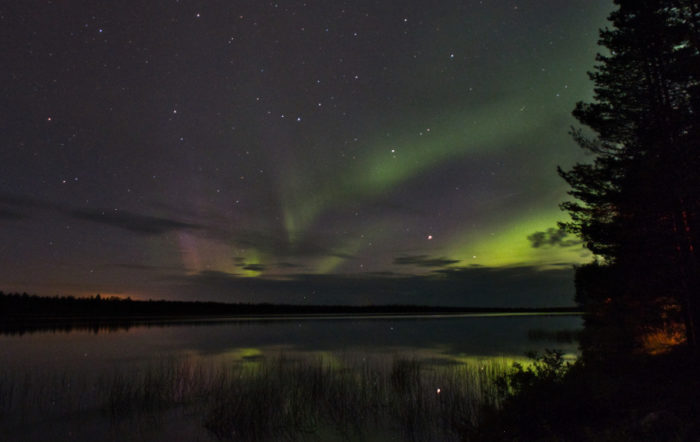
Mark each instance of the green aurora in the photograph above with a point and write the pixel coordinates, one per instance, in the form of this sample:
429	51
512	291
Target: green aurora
242	146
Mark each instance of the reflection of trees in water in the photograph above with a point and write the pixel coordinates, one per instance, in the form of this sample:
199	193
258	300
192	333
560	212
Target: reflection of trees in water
23	313
19	328
106	325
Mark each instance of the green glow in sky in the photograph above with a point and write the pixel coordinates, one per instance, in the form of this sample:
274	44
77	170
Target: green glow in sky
506	244
231	150
388	163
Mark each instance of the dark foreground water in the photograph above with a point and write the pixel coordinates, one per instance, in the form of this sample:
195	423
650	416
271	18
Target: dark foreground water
89	383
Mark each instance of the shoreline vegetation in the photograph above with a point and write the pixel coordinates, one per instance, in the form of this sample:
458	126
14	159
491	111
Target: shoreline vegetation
20	313
288	396
627	397
15	305
636	206
259	399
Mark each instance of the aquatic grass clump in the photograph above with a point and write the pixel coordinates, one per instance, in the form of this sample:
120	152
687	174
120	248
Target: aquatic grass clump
266	398
27	396
285	399
7	392
164	385
271	399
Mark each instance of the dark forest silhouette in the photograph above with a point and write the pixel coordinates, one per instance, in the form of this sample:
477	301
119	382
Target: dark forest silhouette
21	313
637	205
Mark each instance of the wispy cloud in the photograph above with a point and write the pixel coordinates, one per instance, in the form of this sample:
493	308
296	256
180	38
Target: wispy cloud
288	265
465	286
143	224
553	237
123	219
424	261
254	267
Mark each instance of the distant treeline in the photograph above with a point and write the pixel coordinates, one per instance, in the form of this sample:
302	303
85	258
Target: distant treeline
23	306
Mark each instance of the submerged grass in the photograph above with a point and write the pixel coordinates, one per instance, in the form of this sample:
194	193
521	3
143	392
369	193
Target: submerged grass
279	398
295	399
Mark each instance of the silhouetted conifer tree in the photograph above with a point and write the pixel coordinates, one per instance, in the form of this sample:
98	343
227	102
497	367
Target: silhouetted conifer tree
637	204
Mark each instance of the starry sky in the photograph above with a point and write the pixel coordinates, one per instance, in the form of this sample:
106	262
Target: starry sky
289	151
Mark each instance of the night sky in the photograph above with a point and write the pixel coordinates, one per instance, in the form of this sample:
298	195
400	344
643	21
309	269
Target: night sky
300	152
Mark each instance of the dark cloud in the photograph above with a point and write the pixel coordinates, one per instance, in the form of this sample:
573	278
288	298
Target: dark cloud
424	261
463	286
385	273
380	159
124	219
144	224
288	265
255	267
213	275
553	237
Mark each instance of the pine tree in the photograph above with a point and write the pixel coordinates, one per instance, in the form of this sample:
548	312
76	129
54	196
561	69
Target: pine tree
637	205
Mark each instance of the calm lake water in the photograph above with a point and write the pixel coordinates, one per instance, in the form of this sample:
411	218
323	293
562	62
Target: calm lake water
90	384
437	339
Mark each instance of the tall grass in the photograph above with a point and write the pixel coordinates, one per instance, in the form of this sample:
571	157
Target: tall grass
278	398
288	398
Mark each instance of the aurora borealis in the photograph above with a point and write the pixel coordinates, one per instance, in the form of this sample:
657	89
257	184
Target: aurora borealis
322	152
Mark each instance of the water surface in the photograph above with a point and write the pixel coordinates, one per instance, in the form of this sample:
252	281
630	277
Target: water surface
125	381
439	339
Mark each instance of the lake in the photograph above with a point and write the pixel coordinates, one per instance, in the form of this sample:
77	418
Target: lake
66	380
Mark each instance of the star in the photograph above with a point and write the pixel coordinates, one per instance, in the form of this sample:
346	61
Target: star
324	181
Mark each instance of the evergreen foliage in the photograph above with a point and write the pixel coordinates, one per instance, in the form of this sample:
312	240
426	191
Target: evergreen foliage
637	205
24	313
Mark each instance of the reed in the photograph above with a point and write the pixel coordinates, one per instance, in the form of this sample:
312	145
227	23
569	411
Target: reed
292	399
279	398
